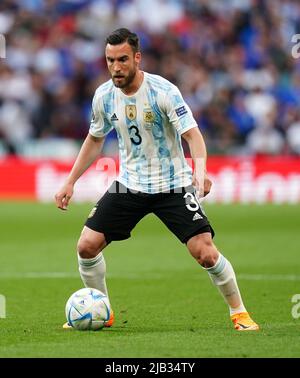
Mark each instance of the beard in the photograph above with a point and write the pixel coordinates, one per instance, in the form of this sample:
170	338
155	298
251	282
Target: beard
124	81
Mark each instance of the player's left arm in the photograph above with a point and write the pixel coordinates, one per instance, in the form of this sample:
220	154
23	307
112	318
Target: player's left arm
181	117
198	152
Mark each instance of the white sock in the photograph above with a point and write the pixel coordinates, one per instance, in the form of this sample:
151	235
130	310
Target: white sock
92	272
223	276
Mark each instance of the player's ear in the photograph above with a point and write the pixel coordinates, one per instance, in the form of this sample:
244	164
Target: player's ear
138	57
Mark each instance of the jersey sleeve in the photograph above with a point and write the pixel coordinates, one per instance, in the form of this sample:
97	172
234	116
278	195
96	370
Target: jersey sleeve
99	126
178	112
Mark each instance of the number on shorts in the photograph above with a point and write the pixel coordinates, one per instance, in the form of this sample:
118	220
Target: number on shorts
191	202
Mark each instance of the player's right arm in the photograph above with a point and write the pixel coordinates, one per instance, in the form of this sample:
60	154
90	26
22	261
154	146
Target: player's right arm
89	151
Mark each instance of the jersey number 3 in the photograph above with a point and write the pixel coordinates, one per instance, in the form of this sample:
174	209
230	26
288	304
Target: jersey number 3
135	135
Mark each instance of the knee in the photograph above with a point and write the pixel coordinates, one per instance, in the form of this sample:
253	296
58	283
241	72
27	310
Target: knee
87	248
203	250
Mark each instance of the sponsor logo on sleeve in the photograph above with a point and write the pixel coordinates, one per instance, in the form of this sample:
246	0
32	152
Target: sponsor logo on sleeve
93	116
181	111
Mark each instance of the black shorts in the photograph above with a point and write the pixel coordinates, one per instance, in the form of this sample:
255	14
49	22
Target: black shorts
120	209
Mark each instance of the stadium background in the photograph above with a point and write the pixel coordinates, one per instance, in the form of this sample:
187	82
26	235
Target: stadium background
233	62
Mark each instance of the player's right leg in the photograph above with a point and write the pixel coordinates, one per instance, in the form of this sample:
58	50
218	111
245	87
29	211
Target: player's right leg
92	267
113	218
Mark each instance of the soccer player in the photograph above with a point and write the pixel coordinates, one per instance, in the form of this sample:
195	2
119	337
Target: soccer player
150	117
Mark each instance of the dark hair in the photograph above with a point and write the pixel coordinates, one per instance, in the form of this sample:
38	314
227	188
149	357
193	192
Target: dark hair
124	35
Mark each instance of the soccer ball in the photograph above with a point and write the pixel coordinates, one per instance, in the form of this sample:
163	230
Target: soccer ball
87	309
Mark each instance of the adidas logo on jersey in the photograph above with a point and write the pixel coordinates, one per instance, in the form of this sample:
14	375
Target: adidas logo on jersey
114	117
197	216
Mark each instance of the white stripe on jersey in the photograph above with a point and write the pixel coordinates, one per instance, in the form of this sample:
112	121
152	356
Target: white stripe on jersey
149	125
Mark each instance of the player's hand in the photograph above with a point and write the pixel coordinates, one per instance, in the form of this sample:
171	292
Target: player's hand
202	186
63	196
207	185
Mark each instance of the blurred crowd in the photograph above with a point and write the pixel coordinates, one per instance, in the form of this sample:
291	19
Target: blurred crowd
231	59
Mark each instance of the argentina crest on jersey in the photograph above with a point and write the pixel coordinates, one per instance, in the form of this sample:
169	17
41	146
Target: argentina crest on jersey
149	117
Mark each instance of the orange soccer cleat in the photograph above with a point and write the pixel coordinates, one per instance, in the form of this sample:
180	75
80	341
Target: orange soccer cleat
107	324
111	320
243	322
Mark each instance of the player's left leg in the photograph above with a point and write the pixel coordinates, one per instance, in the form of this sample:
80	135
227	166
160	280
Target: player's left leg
222	275
183	215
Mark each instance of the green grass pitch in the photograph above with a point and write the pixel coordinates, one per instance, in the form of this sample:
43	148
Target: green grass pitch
165	304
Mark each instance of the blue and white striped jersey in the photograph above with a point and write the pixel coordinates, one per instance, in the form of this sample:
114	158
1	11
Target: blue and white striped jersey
149	125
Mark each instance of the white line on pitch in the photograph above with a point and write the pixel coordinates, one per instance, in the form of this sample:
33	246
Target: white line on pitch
146	275
268	277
